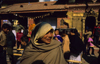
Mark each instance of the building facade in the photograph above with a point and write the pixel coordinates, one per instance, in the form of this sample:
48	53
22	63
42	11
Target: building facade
77	15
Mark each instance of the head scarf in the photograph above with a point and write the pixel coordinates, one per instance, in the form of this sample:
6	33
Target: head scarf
39	31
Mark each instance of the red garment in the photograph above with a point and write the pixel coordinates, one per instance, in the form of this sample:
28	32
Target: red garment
18	36
95	28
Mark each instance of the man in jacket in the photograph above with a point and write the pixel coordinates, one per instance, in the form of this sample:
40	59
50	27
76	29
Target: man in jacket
3	33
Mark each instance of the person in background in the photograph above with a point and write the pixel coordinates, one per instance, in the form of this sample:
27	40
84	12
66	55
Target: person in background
87	34
24	42
42	48
65	44
57	36
96	33
76	47
18	37
91	46
25	32
5	28
10	44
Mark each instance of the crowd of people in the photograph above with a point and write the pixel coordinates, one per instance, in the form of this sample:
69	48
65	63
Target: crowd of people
45	46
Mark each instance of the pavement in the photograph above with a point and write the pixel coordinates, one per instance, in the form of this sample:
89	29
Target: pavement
16	58
91	59
85	59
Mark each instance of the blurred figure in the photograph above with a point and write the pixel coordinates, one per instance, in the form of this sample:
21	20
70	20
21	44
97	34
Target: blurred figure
43	47
18	37
10	44
57	36
87	34
66	43
25	32
5	28
99	57
24	42
91	45
76	47
96	34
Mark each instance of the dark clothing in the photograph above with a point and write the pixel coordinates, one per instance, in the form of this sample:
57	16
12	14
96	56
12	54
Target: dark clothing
85	44
96	35
25	32
97	31
76	45
3	57
10	44
18	43
89	50
1	49
11	40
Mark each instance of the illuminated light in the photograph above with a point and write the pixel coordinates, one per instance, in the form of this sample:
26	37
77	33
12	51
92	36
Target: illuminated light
16	14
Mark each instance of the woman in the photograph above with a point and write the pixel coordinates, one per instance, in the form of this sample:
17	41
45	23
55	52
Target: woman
57	36
66	43
42	49
76	47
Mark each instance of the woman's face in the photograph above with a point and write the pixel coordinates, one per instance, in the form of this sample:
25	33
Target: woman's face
47	37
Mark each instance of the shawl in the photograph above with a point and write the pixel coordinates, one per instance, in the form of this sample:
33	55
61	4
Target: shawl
76	45
41	53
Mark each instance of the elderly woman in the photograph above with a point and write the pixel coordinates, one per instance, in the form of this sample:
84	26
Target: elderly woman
42	49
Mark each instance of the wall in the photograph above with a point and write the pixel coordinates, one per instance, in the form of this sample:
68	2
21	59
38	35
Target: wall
51	21
67	20
30	21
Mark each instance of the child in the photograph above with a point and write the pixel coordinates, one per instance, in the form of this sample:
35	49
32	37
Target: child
91	46
18	37
57	36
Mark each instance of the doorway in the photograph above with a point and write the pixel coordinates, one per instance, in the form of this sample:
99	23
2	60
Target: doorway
90	22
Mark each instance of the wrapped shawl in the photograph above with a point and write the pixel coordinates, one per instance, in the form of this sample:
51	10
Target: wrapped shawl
35	52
